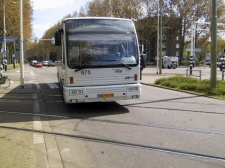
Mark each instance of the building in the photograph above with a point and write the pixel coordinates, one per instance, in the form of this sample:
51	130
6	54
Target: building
171	38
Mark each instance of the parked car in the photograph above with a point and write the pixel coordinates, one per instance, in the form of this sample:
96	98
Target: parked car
38	65
50	63
57	63
207	62
45	63
33	62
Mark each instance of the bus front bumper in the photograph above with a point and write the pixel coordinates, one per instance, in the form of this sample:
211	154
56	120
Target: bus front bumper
101	93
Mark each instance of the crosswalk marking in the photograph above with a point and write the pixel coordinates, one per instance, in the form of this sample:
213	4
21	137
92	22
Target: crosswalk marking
53	85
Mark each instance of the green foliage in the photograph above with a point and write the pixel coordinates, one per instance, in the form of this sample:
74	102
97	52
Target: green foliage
151	63
193	85
132	9
12	22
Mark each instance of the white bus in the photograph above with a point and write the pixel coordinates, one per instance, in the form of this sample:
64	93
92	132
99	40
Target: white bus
100	60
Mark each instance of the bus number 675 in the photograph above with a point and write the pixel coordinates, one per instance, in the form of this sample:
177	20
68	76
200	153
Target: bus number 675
86	72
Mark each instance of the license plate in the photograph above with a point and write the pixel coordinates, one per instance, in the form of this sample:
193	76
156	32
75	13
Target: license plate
107	95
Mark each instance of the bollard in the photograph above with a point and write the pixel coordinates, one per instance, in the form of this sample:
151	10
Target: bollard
223	74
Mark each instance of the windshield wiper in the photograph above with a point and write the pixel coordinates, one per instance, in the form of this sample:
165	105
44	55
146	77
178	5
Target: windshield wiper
126	65
78	69
105	60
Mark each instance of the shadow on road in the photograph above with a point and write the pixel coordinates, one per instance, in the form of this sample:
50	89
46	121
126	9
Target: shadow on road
20	105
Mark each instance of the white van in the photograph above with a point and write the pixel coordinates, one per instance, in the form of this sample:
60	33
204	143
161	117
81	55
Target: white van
169	62
33	62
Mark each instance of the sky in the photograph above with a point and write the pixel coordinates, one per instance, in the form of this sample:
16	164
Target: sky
47	13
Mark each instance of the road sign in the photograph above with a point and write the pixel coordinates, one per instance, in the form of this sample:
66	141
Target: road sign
9	39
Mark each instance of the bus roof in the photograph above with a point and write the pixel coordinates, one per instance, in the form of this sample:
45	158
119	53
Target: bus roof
109	18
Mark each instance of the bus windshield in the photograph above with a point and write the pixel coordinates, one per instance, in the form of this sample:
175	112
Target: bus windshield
101	43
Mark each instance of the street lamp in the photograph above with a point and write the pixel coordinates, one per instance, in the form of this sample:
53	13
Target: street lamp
21	46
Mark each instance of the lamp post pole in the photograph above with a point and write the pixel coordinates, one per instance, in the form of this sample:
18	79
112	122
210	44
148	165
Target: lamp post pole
4	39
160	37
213	45
21	46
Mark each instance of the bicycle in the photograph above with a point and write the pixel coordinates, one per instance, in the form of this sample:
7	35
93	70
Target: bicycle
4	81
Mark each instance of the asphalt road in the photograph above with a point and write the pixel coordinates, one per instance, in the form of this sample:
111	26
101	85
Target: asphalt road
163	128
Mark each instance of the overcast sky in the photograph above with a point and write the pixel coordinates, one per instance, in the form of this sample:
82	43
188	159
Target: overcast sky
47	13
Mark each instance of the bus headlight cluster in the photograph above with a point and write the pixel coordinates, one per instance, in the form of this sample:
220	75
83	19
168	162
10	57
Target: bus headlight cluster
76	92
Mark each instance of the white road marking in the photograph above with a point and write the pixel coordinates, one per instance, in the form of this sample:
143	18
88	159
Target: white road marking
37	125
32	73
37	137
53	85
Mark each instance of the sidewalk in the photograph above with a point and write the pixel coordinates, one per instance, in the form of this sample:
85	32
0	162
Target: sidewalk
150	75
16	120
14	76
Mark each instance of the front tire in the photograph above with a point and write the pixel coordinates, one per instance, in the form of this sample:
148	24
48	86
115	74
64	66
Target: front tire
6	83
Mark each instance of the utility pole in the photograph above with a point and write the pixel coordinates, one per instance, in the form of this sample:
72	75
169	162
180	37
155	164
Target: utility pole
160	37
21	47
213	46
157	59
110	8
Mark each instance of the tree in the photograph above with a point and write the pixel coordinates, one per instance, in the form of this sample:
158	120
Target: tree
131	9
188	11
12	19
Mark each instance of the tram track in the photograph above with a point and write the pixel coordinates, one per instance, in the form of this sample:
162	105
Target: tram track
121	123
124	144
182	110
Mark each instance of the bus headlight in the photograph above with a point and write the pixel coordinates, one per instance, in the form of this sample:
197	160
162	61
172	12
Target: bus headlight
76	92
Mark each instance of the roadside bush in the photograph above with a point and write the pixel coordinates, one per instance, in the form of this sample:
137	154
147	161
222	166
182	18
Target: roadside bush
219	90
160	81
188	86
193	85
169	84
151	63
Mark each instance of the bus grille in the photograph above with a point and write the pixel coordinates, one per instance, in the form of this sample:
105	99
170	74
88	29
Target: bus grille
103	80
99	90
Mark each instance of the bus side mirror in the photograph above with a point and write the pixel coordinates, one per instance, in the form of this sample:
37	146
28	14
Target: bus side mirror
58	34
143	60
